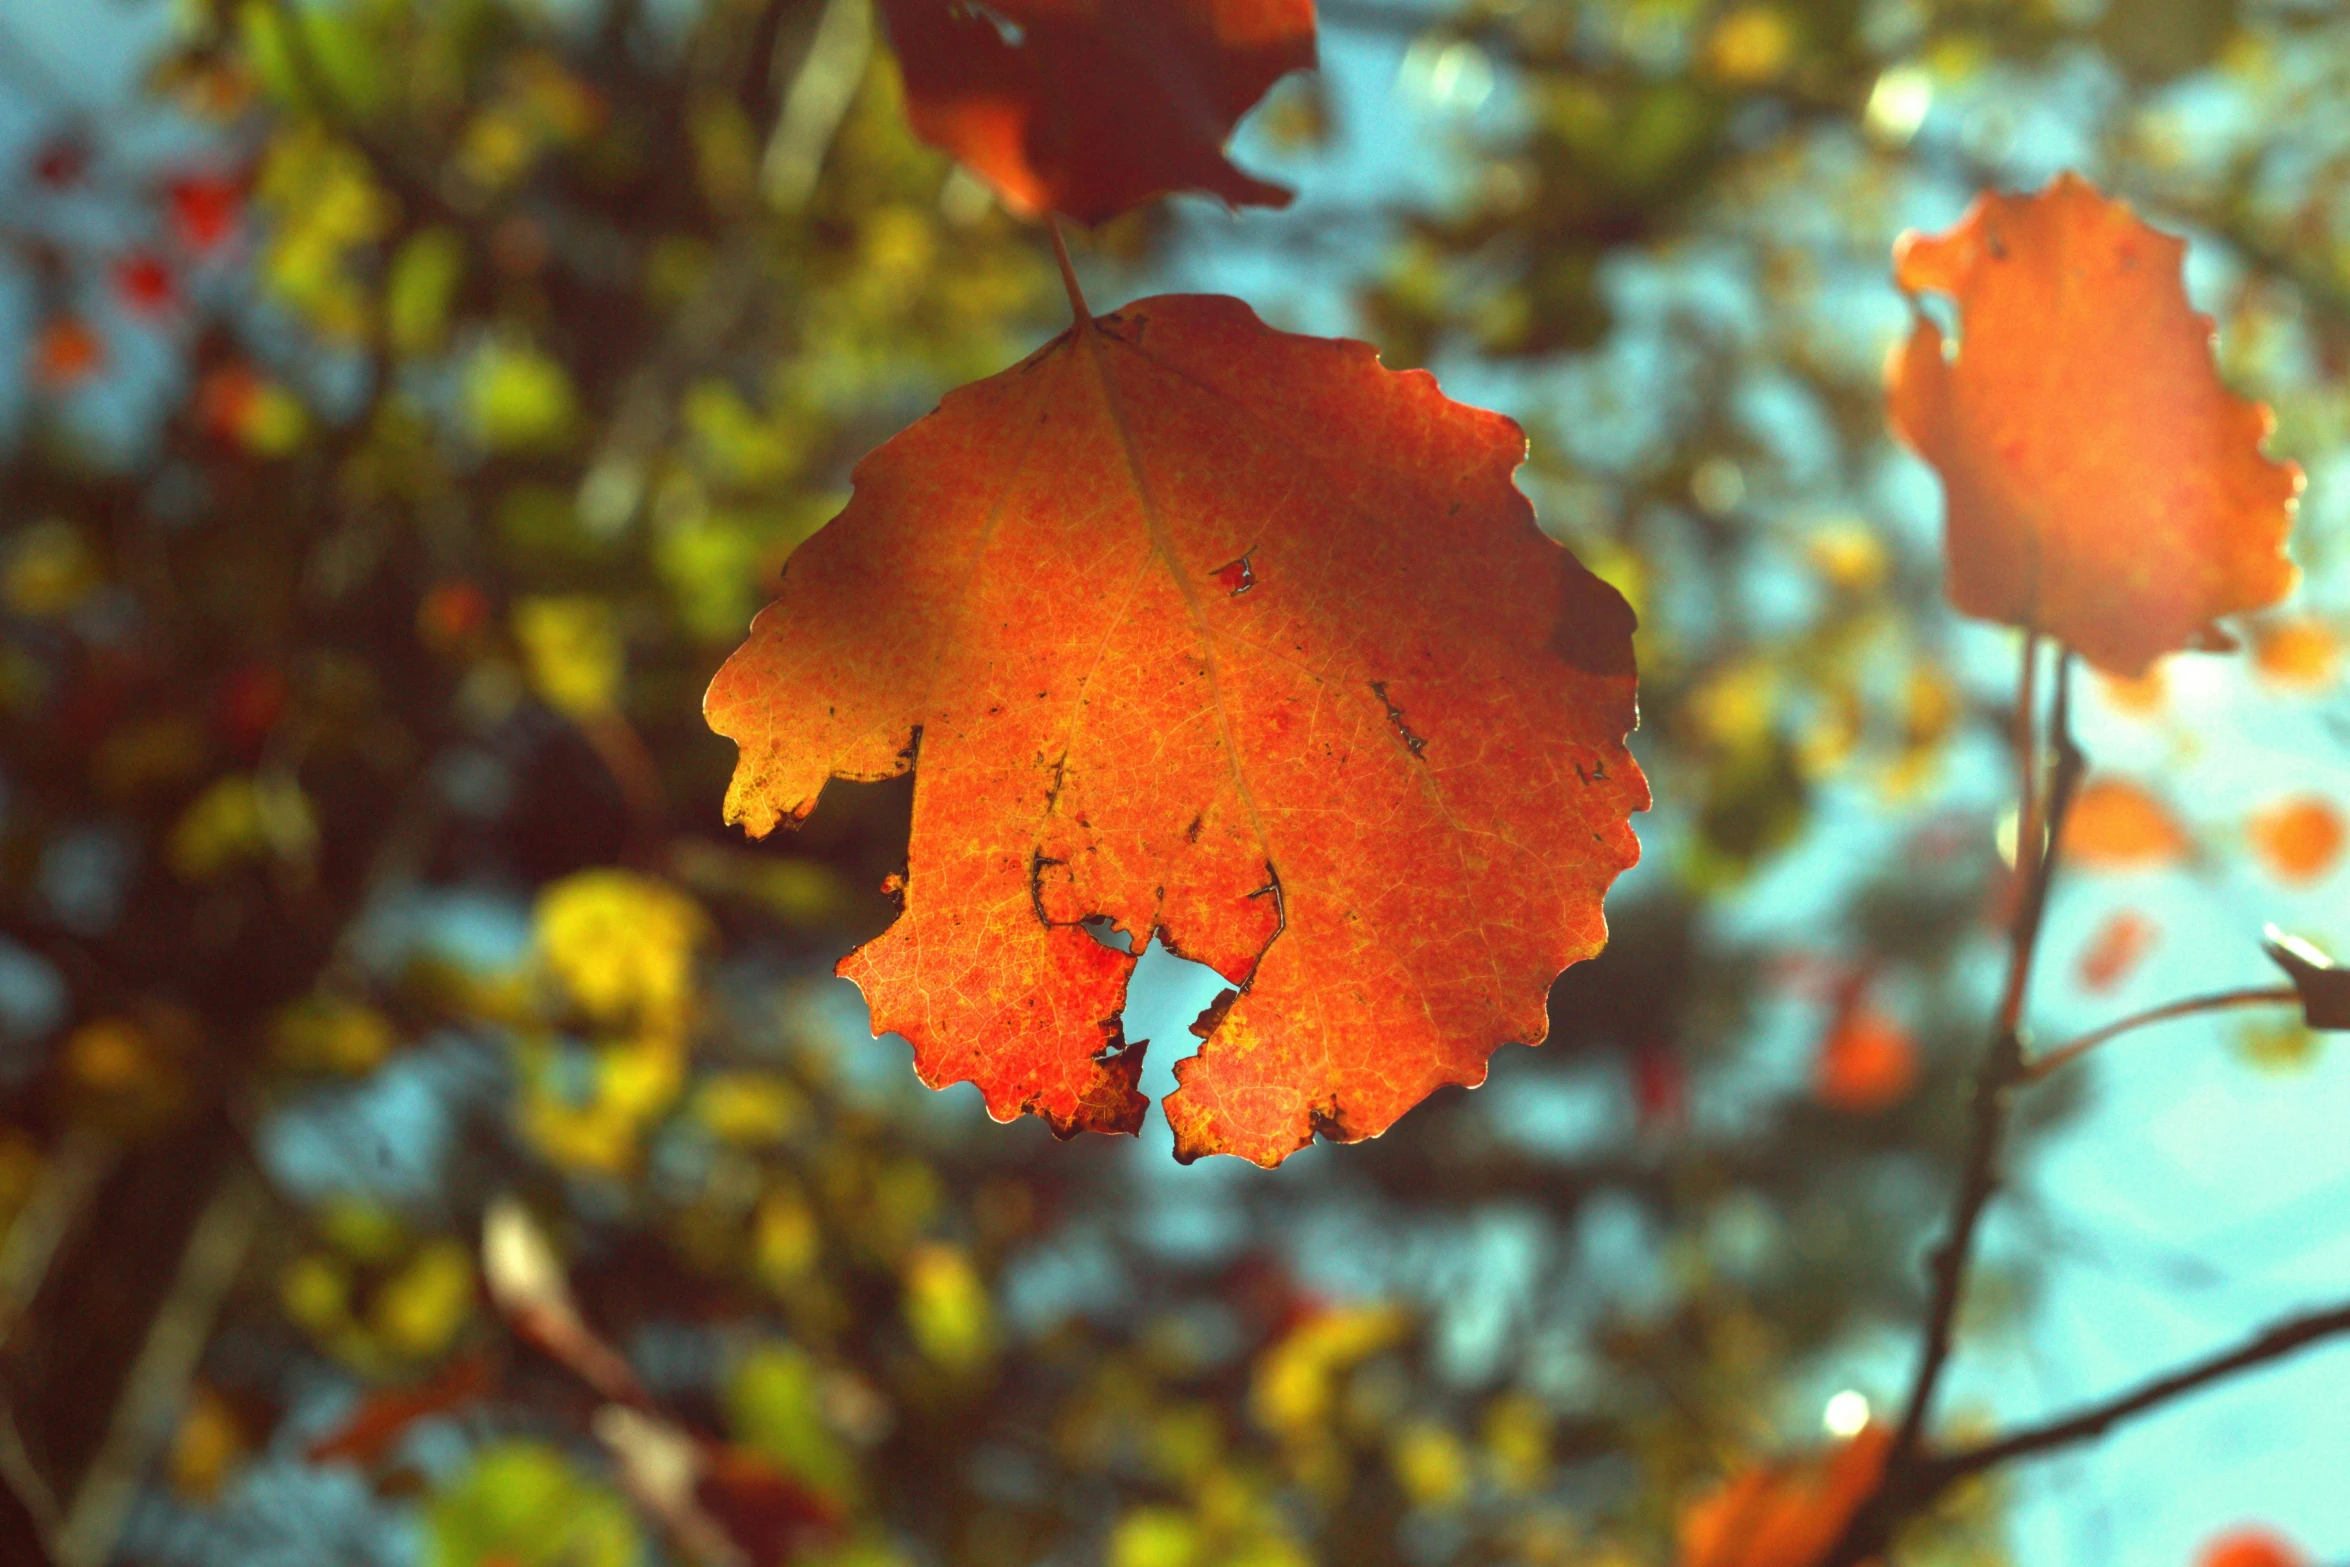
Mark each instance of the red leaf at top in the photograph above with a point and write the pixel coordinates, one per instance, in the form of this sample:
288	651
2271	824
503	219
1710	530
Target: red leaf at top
2102	484
1092	107
1377	780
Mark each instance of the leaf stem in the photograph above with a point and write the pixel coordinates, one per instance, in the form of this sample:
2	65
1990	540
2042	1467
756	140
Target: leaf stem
2025	731
1084	317
2046	846
2071	1050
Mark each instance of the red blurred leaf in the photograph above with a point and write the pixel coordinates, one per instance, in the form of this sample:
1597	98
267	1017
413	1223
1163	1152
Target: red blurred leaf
61	162
252	700
226	401
1784	1514
204	209
383	1417
451	614
1660	1088
1867	1062
1381	791
144	284
2298	839
1092	107
2102	484
66	353
2116	949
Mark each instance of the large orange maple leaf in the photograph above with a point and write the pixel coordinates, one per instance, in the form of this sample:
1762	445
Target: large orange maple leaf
1235	638
2103	486
1092	107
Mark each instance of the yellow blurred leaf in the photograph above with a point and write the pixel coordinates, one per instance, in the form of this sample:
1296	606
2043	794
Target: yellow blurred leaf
574	652
750	1109
1294	1388
207	1445
519	398
621	946
1155	1537
419	1309
326	1033
419	290
50	570
1430	1464
947	1308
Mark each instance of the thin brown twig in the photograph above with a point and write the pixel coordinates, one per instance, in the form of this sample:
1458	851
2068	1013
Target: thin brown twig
2026	735
2072	1050
1897	1492
2271	1343
2046	846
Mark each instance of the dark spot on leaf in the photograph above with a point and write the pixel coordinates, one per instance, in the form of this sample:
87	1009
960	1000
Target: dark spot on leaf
1403	731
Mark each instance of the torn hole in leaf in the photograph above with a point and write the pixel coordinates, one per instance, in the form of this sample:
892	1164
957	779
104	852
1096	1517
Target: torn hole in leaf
1236	577
1106	930
1166	996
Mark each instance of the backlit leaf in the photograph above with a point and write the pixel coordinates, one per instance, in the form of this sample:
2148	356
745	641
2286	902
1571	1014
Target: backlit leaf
1229	637
1867	1060
2102	485
2299	840
2297	655
1094	108
2117	825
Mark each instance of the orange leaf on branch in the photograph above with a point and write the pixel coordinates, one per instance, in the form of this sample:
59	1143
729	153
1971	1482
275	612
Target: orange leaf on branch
1786	1514
1092	107
2102	485
1375	777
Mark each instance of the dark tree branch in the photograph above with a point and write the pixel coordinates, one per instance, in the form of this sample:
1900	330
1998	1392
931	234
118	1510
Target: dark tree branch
2276	1342
2040	846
